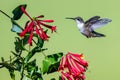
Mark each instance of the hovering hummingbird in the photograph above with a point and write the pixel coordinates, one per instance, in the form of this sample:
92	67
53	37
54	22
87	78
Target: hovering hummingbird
88	27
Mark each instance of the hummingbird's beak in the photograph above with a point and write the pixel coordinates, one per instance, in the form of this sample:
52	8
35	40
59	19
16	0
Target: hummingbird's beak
70	18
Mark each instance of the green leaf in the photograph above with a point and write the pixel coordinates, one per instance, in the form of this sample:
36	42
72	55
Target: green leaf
45	66
37	75
25	40
53	79
53	67
26	78
40	42
11	71
60	78
32	53
17	12
18	44
16	27
40	50
51	63
28	57
55	57
33	71
18	64
31	66
14	53
2	59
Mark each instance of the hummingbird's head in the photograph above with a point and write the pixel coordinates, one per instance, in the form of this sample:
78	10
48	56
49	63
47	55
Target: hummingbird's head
78	19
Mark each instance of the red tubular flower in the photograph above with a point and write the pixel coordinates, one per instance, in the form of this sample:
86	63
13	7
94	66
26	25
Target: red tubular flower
35	26
66	75
73	67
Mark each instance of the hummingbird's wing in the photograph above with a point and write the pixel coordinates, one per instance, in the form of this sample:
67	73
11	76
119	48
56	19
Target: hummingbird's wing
92	20
100	23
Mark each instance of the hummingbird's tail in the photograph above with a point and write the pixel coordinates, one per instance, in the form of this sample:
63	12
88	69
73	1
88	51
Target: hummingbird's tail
96	34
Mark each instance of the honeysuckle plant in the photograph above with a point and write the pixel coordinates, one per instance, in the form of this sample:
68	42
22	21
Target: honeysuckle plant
30	41
73	66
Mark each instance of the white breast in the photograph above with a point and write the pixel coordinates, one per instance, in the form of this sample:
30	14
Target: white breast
80	26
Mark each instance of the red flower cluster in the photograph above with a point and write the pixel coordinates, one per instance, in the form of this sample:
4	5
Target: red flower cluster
73	67
34	26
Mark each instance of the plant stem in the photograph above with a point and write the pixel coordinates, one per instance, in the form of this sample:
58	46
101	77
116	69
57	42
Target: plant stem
5	14
13	21
22	72
40	48
34	42
44	54
1	65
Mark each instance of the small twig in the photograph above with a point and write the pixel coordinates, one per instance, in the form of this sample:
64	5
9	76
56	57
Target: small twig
24	47
44	54
5	14
22	73
39	47
34	42
13	21
1	65
7	65
10	59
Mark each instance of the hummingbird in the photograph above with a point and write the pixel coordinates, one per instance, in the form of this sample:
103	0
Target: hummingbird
87	28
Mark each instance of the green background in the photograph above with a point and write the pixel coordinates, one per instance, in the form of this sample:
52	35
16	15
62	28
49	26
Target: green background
103	54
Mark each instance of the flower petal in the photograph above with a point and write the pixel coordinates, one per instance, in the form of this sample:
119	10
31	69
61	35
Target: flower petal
37	30
49	21
24	11
63	63
43	34
74	68
41	16
39	33
53	28
30	26
67	75
79	60
23	33
30	38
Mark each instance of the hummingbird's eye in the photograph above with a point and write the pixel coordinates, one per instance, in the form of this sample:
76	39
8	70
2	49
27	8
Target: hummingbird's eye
78	19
